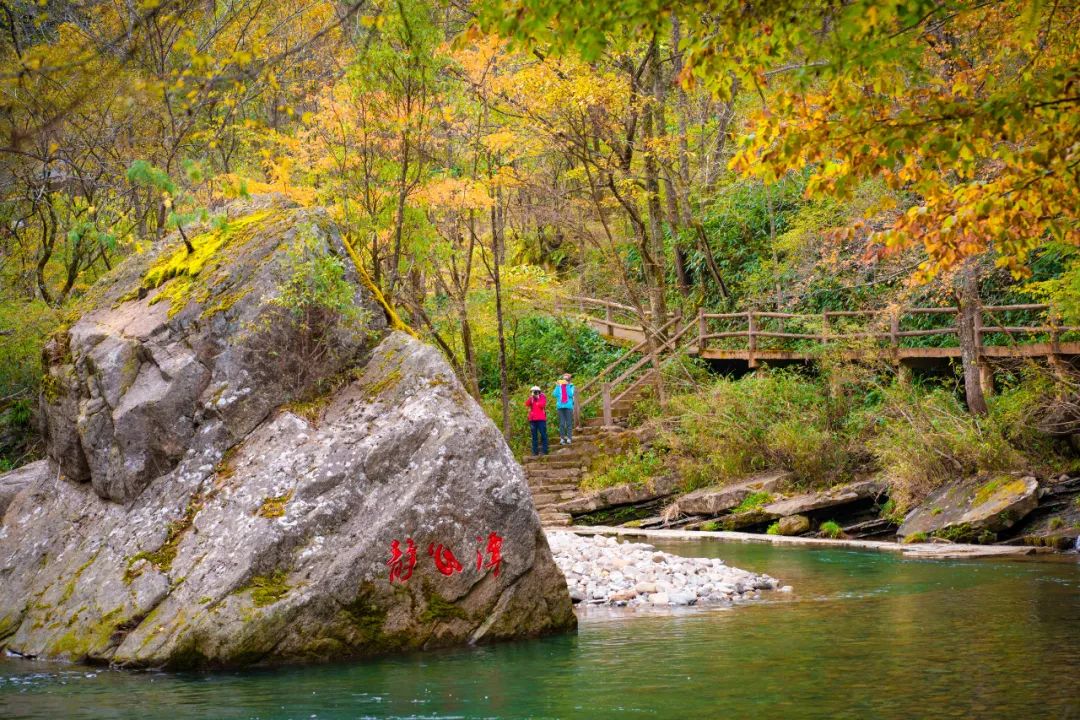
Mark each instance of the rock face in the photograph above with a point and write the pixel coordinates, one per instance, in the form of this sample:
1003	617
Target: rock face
972	510
233	473
832	497
14	482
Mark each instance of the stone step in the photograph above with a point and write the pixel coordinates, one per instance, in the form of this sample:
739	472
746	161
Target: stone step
535	476
552	464
554	487
557	519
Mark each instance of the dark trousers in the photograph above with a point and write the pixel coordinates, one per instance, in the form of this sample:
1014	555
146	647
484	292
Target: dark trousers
566	423
538	428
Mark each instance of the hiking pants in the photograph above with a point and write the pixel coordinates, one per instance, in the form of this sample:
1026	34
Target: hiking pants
538	428
566	423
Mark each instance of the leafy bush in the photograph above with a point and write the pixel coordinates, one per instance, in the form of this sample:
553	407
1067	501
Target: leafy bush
831	529
925	438
634	468
26	325
773	529
776	419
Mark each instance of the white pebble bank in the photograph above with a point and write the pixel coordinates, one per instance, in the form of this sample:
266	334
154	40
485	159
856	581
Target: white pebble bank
602	571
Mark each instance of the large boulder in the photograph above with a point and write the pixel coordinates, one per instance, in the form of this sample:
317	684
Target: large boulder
236	477
972	510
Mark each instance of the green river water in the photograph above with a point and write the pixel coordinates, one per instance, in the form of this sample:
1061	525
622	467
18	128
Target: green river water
864	635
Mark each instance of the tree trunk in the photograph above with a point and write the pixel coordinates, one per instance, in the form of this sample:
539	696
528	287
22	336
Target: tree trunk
655	239
968	322
496	243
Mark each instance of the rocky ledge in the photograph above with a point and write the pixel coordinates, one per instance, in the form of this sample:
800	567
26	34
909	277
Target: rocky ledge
602	571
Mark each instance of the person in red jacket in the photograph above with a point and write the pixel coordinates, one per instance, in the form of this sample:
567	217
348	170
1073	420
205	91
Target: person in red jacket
536	402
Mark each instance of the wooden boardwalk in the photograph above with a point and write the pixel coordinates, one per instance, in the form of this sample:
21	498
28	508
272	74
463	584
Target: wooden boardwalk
762	337
754	338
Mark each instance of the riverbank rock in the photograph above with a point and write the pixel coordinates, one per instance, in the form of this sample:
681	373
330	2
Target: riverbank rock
239	477
836	496
620	495
793	525
717	500
603	571
972	510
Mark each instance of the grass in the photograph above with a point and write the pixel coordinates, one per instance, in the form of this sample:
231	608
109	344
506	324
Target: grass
831	529
635	468
753	501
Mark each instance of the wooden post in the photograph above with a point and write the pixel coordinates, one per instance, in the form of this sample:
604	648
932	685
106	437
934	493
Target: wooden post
606	390
1055	332
702	331
826	329
751	332
894	335
607	319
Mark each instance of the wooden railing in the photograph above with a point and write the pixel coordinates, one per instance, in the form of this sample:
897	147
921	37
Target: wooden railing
754	333
885	327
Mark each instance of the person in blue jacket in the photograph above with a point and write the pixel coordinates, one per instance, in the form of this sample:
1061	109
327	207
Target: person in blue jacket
564	405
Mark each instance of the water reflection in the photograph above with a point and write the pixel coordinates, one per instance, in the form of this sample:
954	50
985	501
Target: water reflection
864	635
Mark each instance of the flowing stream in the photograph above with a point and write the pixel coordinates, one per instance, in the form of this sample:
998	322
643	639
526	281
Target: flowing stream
864	635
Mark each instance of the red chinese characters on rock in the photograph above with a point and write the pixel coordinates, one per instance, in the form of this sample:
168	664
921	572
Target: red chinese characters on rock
401	564
494	554
445	562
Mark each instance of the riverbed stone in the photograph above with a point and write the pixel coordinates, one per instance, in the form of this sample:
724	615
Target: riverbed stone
793	525
674	581
204	506
973	510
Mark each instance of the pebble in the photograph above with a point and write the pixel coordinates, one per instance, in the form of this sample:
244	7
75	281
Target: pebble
602	571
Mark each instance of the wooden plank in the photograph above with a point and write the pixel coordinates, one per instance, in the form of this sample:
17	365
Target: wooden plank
1008	308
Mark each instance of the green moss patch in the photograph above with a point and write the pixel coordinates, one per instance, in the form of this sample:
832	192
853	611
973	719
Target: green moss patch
274	507
438	608
183	274
268	589
753	501
162	558
1002	486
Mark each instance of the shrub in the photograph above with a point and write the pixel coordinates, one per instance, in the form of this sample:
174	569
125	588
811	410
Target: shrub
773	529
633	468
26	325
926	438
831	529
776	419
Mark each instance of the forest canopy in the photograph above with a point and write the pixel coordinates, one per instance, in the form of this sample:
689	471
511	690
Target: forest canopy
485	156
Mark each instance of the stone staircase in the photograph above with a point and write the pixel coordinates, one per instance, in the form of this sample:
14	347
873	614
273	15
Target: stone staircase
555	478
